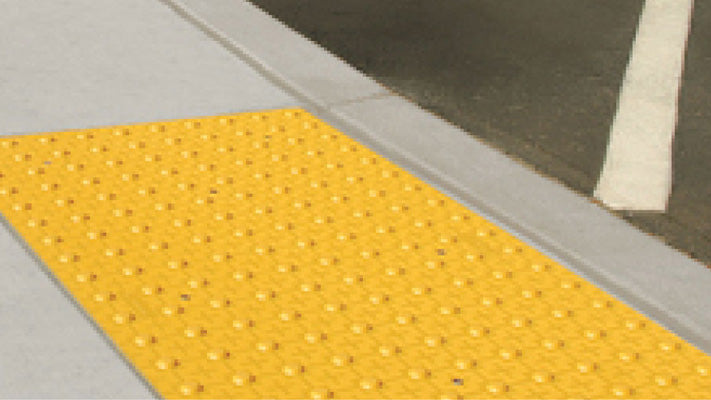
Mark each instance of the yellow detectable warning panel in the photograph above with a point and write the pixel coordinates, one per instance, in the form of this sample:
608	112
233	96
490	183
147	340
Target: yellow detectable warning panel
269	255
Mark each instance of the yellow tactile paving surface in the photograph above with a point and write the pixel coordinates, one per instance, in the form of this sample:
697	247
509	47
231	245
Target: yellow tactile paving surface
269	255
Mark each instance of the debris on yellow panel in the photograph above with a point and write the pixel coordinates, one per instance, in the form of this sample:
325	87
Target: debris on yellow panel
269	255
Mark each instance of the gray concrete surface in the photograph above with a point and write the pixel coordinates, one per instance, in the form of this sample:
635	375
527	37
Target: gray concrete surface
537	80
325	80
74	64
48	346
67	64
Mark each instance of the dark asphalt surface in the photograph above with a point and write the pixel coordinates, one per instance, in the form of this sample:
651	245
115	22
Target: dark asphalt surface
538	80
687	223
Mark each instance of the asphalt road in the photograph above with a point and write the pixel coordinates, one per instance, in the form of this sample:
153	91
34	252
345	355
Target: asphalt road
538	80
687	223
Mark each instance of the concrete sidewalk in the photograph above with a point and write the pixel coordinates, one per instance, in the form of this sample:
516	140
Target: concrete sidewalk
79	64
76	64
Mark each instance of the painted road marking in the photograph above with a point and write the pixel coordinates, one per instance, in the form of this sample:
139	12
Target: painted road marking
269	255
637	173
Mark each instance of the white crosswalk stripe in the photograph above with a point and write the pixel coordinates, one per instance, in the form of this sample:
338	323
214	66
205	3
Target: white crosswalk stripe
637	173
